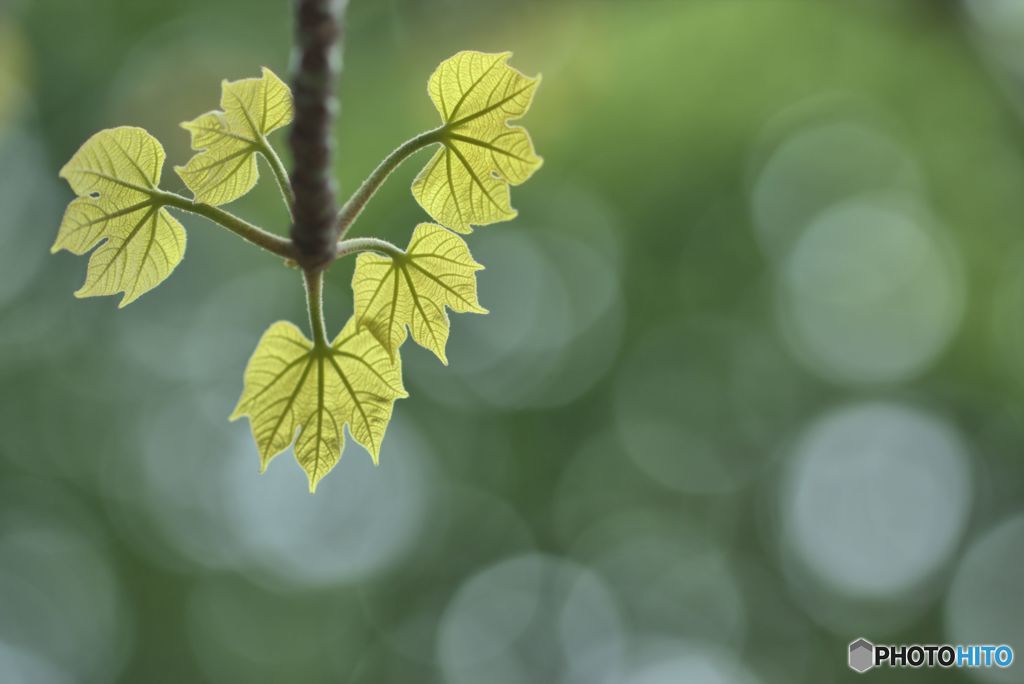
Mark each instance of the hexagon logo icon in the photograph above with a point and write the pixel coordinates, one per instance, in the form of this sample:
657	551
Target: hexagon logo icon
862	655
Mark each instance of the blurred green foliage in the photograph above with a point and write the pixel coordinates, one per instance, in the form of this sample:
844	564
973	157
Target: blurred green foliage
750	389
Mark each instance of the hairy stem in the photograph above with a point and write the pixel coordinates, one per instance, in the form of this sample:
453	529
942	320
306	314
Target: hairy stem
317	63
367	244
280	175
254	234
354	206
315	302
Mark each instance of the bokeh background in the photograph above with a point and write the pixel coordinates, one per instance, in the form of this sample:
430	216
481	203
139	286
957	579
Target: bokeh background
750	388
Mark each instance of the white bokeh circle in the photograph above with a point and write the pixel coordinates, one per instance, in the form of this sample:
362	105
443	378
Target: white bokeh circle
876	498
985	604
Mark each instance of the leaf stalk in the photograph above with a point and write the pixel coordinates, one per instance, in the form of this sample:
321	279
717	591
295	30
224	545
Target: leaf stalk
280	175
355	204
368	244
314	280
274	244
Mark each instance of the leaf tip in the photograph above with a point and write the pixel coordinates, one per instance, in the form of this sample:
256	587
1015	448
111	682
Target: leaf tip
130	297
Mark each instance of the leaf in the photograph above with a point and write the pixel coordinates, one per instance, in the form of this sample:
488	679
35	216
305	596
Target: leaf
466	183
228	140
115	175
292	385
412	290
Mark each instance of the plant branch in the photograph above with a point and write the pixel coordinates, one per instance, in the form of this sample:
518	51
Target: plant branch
274	244
354	206
280	175
315	303
367	244
316	37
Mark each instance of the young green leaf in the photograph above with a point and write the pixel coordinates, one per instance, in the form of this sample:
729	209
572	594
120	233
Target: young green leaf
290	385
467	181
412	289
115	175
227	141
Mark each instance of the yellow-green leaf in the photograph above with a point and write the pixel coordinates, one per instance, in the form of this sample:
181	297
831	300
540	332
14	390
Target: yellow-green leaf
292	385
413	289
466	183
115	175
228	139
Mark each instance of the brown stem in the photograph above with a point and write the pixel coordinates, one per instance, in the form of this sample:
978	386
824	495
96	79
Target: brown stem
314	230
